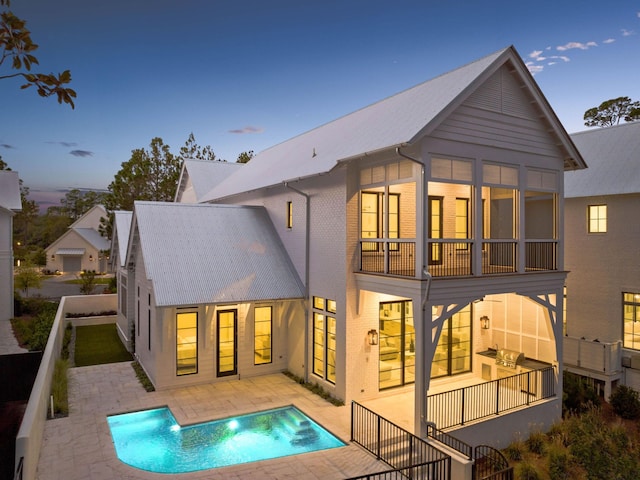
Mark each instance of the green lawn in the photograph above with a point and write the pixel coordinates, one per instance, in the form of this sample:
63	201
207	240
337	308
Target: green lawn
98	344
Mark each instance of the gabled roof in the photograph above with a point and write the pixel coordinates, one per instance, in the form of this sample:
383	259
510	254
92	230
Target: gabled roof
200	253
10	191
198	177
396	121
120	235
91	218
93	237
613	156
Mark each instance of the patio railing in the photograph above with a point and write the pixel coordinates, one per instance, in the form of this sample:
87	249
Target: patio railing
408	455
390	257
464	405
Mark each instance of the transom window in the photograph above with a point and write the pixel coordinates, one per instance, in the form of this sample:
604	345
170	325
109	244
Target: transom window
631	320
597	218
289	214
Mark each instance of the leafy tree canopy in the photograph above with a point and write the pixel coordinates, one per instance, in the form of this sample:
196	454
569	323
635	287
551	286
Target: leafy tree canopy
151	174
610	112
17	49
244	157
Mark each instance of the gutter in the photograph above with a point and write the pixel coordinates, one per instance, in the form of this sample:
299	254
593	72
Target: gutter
306	275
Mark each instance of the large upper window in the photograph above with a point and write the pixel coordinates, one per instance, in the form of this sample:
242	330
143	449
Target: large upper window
631	320
373	221
324	339
262	339
186	343
597	217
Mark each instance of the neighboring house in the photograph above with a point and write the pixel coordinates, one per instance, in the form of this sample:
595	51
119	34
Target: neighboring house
118	258
414	247
602	255
10	203
198	177
81	247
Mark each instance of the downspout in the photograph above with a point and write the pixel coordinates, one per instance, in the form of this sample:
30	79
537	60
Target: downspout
425	298
306	276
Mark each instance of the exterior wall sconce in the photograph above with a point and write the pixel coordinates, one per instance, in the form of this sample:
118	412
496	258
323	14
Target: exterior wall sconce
485	323
91	258
372	335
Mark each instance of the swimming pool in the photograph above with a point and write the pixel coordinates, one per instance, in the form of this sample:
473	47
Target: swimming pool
152	440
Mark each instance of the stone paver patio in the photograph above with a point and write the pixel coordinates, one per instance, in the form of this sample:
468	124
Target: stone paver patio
80	445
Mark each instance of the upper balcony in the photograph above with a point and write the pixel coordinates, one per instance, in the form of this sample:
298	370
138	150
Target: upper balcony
456	258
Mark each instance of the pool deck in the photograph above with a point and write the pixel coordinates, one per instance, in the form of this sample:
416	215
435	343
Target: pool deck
80	447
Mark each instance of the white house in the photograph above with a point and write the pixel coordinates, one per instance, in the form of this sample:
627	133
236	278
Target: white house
413	247
10	203
118	259
198	177
81	247
602	255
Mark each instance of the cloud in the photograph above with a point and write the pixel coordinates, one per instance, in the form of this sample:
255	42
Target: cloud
534	68
627	33
564	58
64	144
81	153
609	40
7	146
247	129
579	45
535	54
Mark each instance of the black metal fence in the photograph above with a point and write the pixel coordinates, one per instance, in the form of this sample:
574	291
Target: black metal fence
541	256
463	405
490	464
395	257
408	455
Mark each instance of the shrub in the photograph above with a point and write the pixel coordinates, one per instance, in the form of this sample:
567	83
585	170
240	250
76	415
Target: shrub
559	462
515	450
625	402
577	394
59	386
66	340
536	442
142	377
526	471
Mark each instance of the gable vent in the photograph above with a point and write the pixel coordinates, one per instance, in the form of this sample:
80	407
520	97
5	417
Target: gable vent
502	93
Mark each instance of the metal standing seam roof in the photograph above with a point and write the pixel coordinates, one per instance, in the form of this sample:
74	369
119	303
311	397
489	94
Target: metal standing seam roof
201	253
205	174
94	238
613	157
394	121
71	251
122	222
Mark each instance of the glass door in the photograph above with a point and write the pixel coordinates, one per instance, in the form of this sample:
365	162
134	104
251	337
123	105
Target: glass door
227	352
397	344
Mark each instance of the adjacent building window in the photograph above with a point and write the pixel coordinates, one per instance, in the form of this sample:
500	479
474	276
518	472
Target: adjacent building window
186	343
435	229
631	320
289	214
597	218
324	339
122	292
262	338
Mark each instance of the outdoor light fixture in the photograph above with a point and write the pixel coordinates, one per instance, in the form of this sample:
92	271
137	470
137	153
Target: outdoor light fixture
373	336
485	322
91	258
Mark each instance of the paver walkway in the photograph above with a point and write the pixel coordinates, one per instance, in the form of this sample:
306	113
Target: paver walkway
8	342
80	445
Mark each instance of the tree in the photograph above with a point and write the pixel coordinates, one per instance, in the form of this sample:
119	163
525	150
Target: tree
244	157
27	277
76	203
17	48
192	150
87	282
610	112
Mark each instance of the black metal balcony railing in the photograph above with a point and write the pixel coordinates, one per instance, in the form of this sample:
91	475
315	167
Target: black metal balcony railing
455	257
387	257
463	405
450	258
541	255
408	455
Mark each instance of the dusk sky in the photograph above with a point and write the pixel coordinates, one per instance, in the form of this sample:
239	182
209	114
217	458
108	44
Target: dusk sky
245	75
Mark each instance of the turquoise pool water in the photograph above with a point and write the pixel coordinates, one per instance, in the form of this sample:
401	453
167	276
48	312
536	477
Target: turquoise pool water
152	440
